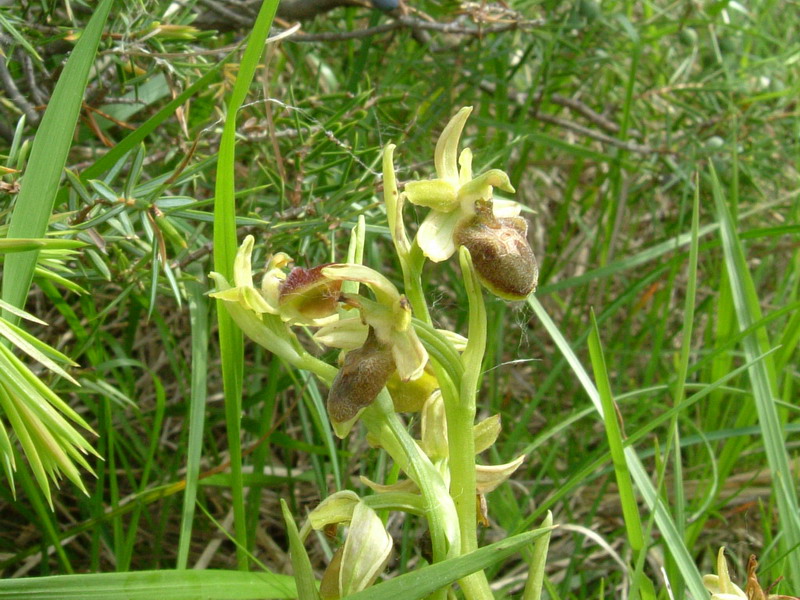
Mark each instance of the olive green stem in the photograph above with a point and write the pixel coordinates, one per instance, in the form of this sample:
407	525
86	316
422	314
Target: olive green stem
459	396
440	512
460	422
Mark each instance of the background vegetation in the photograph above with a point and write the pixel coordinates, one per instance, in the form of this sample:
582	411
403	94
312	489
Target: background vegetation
612	119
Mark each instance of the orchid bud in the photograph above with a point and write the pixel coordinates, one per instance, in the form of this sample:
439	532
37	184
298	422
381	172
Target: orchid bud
357	564
720	585
500	252
409	396
361	378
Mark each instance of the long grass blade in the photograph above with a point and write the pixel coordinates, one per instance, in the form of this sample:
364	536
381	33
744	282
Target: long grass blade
198	310
47	159
145	585
422	582
763	378
225	244
664	521
630	509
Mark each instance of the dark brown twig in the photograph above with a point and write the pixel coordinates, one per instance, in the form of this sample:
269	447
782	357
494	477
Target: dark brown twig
453	28
600	120
14	94
30	77
596	135
522	98
243	18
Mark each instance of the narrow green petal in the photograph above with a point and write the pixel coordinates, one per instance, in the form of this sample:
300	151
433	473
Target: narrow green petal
447	147
465	162
242	265
437	194
480	188
385	292
394	203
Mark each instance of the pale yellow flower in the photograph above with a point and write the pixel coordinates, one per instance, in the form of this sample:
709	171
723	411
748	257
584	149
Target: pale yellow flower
452	195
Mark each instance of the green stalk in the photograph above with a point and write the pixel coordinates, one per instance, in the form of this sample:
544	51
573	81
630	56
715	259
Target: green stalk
461	410
225	245
381	421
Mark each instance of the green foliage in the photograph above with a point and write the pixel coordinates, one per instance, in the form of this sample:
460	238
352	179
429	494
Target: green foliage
655	152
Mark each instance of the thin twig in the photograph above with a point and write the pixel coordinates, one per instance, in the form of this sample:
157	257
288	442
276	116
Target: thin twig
14	94
522	98
402	22
243	20
596	135
28	68
600	120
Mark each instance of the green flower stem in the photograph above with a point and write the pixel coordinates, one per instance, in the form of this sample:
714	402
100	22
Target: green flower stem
412	265
383	422
460	422
314	365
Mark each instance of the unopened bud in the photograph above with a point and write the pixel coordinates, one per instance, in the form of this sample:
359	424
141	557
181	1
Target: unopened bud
409	396
361	378
500	252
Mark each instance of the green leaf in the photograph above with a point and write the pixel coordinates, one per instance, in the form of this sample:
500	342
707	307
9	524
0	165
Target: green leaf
422	582
303	573
146	585
533	587
8	245
763	378
47	159
672	538
627	498
225	246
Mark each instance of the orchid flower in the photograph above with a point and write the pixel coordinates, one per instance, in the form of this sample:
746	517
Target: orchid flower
452	195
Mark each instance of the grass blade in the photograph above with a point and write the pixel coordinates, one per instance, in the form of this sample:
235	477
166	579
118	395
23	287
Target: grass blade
47	159
630	510
145	585
421	583
225	244
763	379
198	309
672	537
533	587
303	572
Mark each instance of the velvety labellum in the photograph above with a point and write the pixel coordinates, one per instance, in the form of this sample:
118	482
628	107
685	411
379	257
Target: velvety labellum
361	378
500	252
